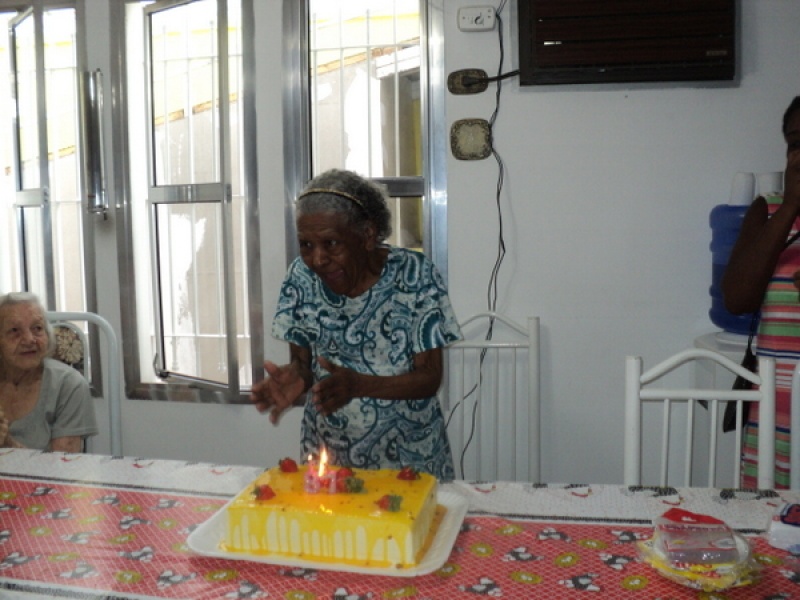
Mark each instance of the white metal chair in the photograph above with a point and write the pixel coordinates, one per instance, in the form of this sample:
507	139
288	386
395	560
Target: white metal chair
491	399
110	363
639	391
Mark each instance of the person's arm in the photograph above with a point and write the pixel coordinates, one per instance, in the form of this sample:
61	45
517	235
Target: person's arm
760	243
754	256
344	384
74	416
285	385
68	443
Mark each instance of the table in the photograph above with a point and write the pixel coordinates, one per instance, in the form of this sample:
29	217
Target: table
100	527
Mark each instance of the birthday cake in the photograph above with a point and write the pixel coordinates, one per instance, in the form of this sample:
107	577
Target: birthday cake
376	518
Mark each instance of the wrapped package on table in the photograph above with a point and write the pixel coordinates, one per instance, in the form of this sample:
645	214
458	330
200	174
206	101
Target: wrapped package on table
699	551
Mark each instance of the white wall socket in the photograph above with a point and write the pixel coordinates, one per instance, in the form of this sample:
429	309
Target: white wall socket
476	18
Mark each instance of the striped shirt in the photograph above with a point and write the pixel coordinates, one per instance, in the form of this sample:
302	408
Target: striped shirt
778	337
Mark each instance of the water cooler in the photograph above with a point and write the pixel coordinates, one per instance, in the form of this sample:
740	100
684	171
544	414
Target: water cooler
725	221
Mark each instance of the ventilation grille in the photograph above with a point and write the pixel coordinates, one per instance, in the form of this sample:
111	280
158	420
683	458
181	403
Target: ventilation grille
596	41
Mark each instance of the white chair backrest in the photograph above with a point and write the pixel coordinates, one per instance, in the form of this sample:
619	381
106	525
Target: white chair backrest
110	364
639	390
490	396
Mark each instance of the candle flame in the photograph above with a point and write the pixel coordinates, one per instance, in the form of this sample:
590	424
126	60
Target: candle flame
323	462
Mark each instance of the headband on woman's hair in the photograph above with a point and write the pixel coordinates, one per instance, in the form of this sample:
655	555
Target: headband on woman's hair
333	193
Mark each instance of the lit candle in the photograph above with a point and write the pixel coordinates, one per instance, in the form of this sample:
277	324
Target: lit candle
318	477
326	478
311	480
323	462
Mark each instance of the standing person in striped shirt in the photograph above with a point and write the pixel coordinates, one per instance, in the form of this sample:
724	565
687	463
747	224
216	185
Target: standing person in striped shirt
763	272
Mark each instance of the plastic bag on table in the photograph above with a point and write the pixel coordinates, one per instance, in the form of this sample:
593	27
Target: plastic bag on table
699	551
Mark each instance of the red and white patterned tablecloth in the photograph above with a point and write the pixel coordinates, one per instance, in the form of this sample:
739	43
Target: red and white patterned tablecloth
82	526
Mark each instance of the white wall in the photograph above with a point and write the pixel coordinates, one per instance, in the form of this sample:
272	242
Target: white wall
607	198
607	194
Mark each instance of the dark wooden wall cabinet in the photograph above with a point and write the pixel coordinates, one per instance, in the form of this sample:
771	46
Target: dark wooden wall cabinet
607	41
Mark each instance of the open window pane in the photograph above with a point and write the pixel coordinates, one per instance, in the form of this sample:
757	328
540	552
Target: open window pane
190	187
61	80
27	107
192	293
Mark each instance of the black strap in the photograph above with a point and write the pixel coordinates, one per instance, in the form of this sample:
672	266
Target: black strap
753	329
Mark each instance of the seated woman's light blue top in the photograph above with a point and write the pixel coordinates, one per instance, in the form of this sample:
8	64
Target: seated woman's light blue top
407	311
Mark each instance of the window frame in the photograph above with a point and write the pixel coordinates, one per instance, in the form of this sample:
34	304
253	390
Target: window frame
41	196
431	186
84	294
179	387
217	193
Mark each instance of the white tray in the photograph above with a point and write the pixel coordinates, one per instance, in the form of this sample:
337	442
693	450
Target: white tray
207	537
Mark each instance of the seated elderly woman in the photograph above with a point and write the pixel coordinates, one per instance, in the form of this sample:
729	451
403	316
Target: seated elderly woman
44	403
366	324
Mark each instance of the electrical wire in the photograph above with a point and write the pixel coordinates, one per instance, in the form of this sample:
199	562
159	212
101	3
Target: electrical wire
468	80
492	288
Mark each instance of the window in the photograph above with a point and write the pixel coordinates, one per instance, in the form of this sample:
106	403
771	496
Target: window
190	191
371	100
10	273
42	222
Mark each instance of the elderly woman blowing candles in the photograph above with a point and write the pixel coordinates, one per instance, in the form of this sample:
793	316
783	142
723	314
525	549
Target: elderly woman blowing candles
366	324
44	404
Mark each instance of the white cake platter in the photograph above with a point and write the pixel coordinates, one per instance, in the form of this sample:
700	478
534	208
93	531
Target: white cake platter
208	536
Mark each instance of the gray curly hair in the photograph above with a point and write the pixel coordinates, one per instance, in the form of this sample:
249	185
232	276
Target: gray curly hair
347	193
12	298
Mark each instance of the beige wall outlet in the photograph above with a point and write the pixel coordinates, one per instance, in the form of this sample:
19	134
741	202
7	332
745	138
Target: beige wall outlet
470	139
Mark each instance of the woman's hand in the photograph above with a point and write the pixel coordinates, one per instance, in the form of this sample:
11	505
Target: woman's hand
333	392
343	384
278	392
6	441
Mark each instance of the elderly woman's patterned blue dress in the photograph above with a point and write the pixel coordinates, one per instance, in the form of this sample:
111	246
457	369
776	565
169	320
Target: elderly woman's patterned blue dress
405	312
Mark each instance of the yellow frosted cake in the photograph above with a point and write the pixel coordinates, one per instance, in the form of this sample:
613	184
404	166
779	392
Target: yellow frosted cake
358	517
